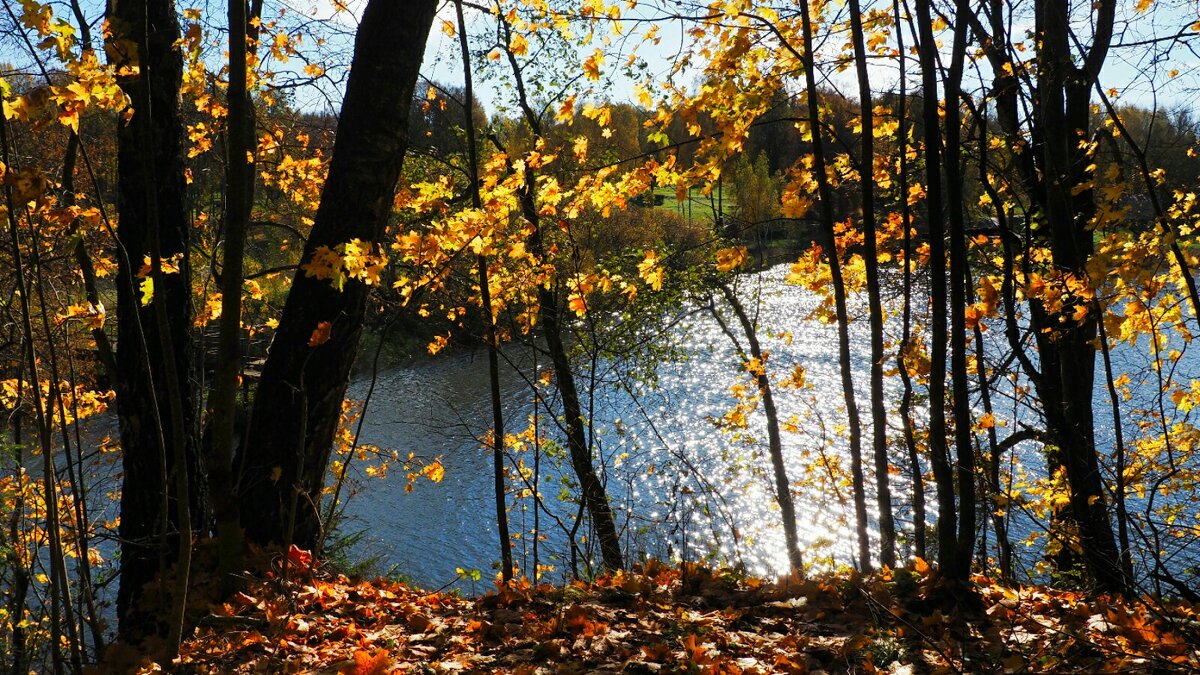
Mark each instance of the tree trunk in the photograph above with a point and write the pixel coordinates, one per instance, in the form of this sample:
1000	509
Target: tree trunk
943	474
239	199
489	318
866	172
825	194
906	418
300	382
1063	104
960	569
150	200
783	486
595	497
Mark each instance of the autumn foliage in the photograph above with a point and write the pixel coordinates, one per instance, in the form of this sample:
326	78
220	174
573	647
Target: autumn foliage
195	244
688	618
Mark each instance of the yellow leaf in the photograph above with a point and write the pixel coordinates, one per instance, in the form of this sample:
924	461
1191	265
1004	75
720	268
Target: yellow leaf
651	271
915	194
591	65
147	288
519	46
437	344
577	304
434	471
566	111
731	258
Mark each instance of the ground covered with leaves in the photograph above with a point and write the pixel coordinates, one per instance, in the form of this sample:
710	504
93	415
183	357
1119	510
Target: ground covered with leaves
686	619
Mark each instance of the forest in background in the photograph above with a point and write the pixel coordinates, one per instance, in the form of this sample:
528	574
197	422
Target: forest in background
981	171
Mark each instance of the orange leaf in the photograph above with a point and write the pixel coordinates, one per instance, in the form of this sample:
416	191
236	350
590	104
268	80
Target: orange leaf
299	558
320	334
366	663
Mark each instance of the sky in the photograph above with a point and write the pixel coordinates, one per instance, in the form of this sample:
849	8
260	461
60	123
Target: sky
1147	73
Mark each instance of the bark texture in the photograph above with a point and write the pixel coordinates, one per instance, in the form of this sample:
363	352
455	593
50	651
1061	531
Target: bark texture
149	153
297	406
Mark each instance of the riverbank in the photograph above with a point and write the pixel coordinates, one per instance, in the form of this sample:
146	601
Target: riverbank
683	619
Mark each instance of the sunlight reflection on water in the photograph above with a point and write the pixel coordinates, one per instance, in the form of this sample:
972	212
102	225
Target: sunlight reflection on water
683	487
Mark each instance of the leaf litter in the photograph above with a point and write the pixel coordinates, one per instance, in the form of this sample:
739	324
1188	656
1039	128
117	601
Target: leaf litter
685	618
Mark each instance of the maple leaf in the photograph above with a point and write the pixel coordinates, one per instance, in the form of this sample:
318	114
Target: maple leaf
320	334
146	286
434	471
299	558
519	46
731	258
650	270
368	663
591	65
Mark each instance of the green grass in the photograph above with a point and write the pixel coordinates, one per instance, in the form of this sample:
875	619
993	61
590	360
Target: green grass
701	207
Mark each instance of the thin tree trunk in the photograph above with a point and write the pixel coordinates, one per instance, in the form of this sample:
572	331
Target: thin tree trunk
489	319
825	194
910	441
60	598
783	486
239	199
1119	469
1003	545
74	632
595	497
960	384
999	522
355	204
866	172
943	474
19	590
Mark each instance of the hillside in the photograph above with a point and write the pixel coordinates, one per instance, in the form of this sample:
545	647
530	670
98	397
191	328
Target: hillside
682	619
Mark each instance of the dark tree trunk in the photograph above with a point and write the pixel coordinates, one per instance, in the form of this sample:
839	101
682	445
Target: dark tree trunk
943	474
783	486
297	406
866	172
489	319
825	194
906	418
964	449
1063	113
149	154
595	497
239	200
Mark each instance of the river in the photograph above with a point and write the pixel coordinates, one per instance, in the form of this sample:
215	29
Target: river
681	485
